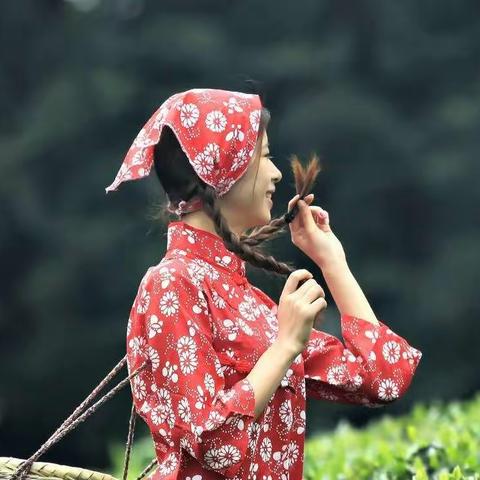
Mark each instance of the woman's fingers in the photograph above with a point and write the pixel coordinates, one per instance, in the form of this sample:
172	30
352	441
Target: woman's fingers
320	215
292	202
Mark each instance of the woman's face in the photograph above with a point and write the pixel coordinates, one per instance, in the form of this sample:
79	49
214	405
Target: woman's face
247	204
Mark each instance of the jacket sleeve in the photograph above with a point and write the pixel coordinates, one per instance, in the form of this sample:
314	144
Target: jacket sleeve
373	368
181	394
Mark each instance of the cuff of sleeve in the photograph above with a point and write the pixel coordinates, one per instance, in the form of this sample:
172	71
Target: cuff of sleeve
241	398
364	335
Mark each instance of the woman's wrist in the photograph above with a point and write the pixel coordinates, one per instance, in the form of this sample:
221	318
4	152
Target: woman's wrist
286	349
332	264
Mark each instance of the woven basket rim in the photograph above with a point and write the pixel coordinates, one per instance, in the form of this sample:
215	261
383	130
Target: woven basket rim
48	469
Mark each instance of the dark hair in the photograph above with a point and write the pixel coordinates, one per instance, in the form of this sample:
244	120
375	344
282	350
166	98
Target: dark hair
181	182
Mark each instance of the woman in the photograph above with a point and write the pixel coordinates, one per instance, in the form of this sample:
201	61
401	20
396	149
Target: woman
228	370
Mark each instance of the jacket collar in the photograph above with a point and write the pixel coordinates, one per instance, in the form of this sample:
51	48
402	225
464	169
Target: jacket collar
196	242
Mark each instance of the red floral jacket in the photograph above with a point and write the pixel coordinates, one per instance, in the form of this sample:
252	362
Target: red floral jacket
201	327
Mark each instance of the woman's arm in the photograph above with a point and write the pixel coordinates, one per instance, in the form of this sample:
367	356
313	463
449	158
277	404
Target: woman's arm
268	372
345	290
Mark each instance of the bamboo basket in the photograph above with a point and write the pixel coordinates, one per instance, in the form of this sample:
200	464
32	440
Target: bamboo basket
49	471
32	469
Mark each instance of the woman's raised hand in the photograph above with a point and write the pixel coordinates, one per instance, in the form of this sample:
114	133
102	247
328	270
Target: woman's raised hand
297	309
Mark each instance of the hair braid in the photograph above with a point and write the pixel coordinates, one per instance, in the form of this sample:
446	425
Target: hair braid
231	240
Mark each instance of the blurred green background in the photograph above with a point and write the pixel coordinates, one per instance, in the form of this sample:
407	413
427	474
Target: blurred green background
386	92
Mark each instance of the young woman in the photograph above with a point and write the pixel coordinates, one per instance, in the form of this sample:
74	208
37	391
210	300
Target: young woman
228	370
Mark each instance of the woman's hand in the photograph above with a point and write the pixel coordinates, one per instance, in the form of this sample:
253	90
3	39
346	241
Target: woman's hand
310	232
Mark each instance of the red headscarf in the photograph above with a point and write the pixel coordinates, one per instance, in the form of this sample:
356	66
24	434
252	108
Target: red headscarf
217	130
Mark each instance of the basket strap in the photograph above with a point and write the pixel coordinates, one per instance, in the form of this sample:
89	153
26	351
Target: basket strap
131	431
147	469
75	418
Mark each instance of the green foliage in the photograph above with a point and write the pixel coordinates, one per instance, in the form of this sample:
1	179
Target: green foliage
141	455
440	441
433	442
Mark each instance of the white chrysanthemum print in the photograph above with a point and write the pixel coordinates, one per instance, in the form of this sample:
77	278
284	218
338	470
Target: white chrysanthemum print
253	434
197	269
184	411
124	173
240	158
189	114
285	413
139	388
154	357
186	445
162	113
252	471
290	454
266	449
212	151
249	308
164	398
391	351
224	184
337	374
388	389
352	385
137	345
188	362
203	164
186	345
410	354
316	345
213	459
169	303
129	326
229	455
169	465
139	157
143	302
216	121
154	326
214	421
255	119
226	396
218	301
158	414
142	139
209	384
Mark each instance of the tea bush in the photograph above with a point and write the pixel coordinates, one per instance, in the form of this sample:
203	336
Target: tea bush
440	441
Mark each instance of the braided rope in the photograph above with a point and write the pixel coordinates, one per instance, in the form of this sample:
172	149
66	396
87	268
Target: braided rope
131	431
75	418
